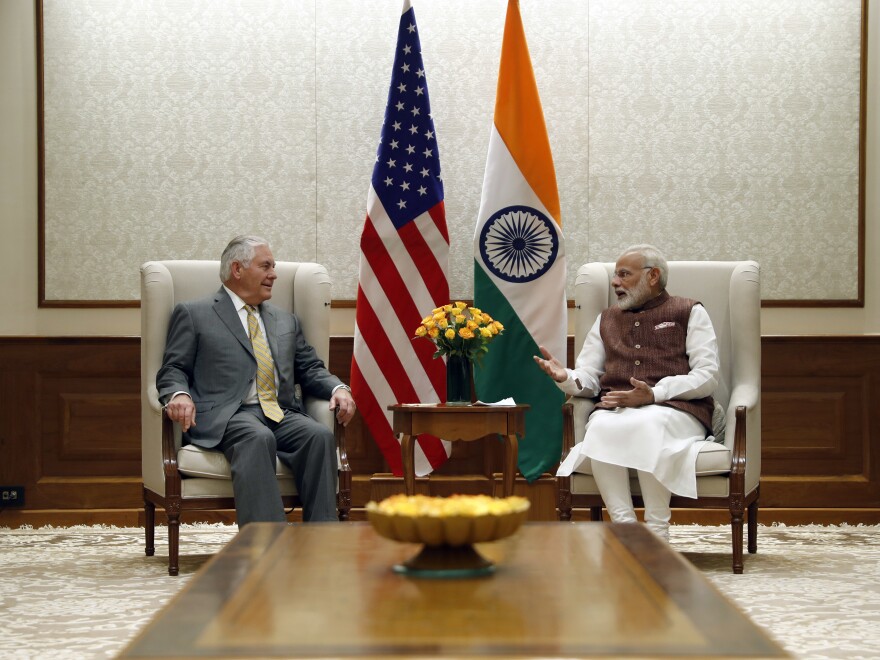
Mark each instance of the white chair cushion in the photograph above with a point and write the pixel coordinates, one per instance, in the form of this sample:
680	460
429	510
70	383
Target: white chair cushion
194	461
714	458
193	487
707	486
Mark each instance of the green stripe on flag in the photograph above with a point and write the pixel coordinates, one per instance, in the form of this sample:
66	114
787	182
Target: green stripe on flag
508	370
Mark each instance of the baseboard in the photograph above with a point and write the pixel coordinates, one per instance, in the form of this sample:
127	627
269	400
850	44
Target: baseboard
135	517
769	516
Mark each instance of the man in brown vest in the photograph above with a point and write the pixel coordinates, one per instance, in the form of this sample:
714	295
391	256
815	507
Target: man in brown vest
652	362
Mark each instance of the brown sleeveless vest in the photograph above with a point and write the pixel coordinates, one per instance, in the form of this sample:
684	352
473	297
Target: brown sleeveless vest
648	344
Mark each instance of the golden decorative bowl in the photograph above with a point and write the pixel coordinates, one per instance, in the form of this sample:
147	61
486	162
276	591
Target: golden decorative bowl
448	527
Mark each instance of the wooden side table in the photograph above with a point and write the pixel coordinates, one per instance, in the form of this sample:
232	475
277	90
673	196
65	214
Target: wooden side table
458	423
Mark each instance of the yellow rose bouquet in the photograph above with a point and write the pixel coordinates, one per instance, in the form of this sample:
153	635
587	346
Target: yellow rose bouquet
459	330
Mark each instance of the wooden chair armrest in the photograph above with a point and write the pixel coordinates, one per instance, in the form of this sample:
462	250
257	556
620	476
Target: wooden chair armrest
567	427
319	409
738	460
342	452
343	497
169	458
575	413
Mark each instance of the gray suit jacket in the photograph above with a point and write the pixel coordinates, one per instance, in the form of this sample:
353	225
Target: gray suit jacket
209	355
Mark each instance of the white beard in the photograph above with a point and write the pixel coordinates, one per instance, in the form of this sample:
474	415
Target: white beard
637	296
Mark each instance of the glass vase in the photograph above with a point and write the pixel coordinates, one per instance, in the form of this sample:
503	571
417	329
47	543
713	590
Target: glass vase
458	380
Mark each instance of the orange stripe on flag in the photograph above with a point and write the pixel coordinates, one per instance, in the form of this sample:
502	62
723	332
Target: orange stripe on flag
519	118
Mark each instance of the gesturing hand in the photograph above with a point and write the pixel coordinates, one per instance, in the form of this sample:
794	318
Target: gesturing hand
551	366
640	395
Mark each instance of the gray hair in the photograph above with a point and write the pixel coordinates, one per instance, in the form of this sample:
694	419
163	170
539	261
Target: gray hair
653	258
240	249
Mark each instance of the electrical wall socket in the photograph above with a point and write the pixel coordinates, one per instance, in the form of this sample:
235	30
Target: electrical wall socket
11	496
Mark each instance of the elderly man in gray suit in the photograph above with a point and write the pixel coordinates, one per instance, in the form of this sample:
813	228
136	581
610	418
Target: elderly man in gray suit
232	360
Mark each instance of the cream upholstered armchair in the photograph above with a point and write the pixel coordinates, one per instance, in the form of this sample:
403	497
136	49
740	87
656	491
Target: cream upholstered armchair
728	473
183	478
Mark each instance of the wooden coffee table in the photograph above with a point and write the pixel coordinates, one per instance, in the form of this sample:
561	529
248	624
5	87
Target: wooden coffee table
560	590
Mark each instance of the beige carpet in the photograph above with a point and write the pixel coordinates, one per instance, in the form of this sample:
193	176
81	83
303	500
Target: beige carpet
83	592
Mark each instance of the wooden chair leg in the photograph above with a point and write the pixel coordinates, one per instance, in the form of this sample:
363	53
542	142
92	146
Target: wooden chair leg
736	532
343	497
563	502
173	542
150	528
343	505
753	527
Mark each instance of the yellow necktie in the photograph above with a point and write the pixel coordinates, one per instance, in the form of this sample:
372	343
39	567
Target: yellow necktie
265	369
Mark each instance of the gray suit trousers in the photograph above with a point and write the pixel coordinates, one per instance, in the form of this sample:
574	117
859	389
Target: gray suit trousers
251	443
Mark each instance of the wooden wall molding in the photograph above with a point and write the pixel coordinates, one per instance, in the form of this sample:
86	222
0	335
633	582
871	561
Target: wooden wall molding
821	421
70	432
70	421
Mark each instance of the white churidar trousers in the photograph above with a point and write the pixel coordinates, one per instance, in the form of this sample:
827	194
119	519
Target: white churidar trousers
660	442
613	483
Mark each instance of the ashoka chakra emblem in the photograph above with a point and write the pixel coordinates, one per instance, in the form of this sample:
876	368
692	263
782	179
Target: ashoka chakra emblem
519	243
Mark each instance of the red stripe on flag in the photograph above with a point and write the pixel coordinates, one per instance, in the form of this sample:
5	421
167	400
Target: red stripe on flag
374	416
397	378
405	310
438	215
383	352
423	257
434	450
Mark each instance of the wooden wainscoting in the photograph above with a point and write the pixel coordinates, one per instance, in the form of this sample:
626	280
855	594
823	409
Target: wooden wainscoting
821	422
70	428
70	434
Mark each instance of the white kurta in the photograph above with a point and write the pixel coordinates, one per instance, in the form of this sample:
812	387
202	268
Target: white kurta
657	439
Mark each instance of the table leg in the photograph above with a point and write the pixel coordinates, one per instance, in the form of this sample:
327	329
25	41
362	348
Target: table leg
511	452
407	455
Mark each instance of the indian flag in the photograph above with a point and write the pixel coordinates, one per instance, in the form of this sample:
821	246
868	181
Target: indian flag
519	255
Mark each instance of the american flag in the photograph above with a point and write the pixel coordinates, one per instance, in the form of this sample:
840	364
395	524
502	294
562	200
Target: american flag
403	265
